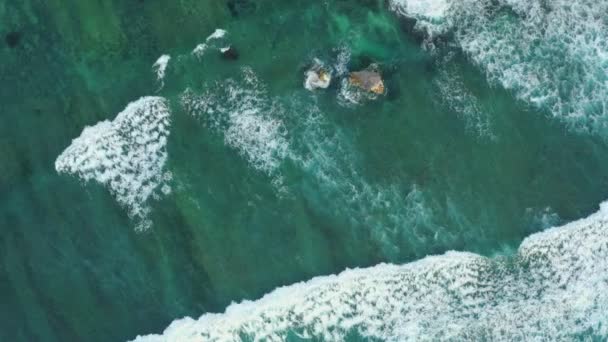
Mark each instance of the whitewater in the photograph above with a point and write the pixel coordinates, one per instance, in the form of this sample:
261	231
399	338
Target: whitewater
127	155
554	288
550	55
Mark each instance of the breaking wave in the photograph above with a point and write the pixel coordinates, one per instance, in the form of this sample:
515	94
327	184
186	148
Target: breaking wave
552	54
127	155
200	49
554	288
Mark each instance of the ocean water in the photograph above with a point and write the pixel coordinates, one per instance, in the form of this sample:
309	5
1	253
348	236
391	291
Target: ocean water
152	189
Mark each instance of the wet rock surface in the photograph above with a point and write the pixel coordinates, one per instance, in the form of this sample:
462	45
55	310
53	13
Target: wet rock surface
369	80
318	76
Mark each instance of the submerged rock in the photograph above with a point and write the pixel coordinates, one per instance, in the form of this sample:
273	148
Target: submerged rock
12	38
229	53
317	77
369	80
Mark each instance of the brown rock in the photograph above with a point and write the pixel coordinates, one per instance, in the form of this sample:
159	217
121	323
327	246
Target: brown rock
368	80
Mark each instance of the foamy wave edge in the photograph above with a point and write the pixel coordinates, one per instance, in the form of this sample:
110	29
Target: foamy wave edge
550	54
554	288
127	155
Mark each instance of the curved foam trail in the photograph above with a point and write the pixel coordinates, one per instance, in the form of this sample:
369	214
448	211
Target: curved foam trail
553	54
246	116
554	288
127	155
160	66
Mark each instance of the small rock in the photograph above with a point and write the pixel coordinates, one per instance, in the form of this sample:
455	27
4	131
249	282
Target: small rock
369	80
317	77
229	53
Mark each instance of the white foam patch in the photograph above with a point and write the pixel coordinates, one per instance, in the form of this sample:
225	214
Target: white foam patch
433	9
160	66
217	34
258	127
199	50
247	117
554	288
349	95
342	60
313	79
127	155
553	54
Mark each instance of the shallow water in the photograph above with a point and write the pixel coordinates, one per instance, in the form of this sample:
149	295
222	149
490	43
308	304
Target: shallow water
255	182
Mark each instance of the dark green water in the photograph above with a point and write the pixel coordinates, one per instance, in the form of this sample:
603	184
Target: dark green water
419	171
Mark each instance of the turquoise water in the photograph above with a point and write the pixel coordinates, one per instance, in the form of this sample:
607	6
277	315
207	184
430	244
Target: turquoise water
220	180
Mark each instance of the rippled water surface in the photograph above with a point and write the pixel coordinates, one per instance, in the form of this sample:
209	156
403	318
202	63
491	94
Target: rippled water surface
145	177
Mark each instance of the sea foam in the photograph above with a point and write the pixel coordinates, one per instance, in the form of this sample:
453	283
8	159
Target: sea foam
554	288
199	50
127	155
160	66
270	132
551	54
430	9
246	116
394	216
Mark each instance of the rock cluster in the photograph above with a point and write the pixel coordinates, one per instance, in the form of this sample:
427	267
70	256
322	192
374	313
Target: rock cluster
368	80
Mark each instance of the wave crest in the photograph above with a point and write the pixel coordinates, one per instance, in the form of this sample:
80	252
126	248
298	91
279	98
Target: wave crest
552	54
127	155
554	288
